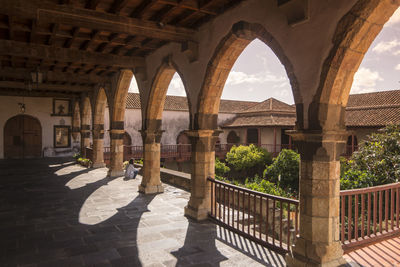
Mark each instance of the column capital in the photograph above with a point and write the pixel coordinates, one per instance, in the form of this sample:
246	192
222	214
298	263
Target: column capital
151	136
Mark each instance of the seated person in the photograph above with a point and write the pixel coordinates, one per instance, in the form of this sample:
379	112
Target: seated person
131	171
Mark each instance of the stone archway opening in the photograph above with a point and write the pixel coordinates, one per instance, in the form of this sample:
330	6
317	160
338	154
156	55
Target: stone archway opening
173	110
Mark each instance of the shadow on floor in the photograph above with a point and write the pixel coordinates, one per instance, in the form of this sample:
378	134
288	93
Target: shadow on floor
41	223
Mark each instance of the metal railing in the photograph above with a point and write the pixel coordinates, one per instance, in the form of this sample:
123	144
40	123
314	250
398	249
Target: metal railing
369	214
269	220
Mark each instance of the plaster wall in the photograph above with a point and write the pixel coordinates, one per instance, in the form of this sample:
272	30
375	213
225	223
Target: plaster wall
38	107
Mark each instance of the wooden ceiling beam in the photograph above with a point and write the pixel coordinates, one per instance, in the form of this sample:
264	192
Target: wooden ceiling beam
37	93
45	13
92	4
69	42
117	6
142	8
201	7
52	37
44	86
19	49
51	76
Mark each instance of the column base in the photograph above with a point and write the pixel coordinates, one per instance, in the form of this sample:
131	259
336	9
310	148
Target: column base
198	214
318	255
115	173
98	165
151	189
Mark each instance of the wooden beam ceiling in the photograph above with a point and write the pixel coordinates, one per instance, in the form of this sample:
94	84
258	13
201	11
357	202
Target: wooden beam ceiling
51	76
20	49
43	86
91	19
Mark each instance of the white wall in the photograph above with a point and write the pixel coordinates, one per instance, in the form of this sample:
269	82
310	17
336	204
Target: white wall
37	107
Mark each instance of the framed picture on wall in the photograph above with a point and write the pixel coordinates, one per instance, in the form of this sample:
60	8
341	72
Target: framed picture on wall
62	136
61	107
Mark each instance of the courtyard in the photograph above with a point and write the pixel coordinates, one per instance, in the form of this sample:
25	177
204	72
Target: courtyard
56	213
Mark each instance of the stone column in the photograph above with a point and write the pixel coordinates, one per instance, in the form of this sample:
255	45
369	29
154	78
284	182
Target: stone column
203	166
151	182
85	138
318	241
117	151
98	146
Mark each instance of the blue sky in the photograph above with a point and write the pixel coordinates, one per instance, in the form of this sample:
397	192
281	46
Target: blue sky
258	74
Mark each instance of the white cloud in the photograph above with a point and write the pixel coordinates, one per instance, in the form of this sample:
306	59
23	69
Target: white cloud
386	46
394	19
239	77
133	88
176	86
397	67
365	81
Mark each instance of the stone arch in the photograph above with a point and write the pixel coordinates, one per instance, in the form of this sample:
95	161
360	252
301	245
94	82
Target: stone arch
158	92
86	112
100	107
76	121
354	34
218	69
120	88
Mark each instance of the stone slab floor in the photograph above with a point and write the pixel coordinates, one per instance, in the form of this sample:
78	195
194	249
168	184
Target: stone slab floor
56	213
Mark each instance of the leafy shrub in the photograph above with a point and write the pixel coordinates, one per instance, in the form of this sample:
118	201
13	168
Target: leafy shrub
76	156
245	157
264	186
377	161
220	168
284	170
247	161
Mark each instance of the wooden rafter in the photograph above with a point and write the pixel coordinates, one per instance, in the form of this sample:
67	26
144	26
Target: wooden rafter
69	42
52	37
91	19
43	86
117	6
142	8
51	76
14	48
92	4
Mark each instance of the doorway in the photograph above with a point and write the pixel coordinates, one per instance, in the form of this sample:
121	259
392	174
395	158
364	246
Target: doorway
22	138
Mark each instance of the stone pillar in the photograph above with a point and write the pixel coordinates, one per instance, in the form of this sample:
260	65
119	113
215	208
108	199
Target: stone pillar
98	146
117	152
203	166
151	182
85	138
318	241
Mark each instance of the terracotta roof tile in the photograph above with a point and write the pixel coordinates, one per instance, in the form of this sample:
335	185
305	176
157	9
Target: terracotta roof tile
385	98
271	104
261	120
179	103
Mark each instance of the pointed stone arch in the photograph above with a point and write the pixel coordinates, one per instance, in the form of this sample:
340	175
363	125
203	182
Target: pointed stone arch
86	122
220	65
151	126
98	127
119	90
76	122
158	92
354	35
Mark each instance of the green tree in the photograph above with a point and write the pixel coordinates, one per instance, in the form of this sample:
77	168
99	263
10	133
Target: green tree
220	168
284	170
377	161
